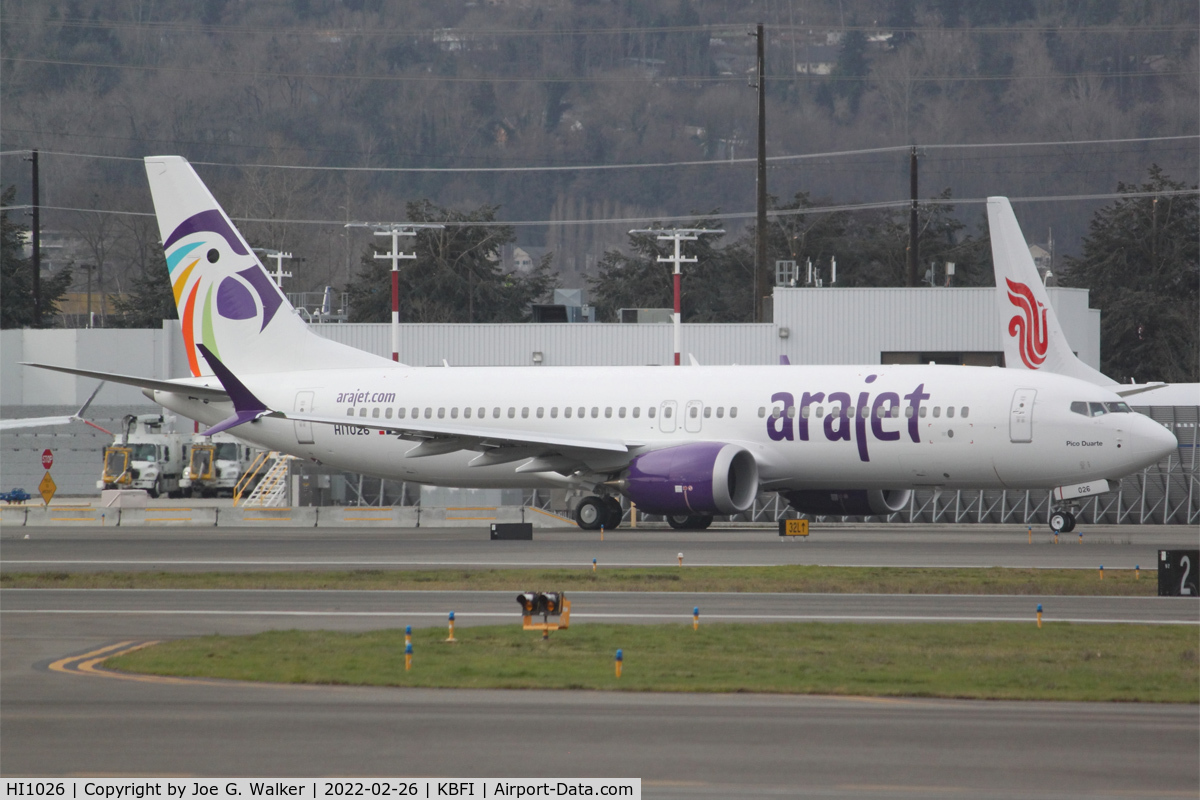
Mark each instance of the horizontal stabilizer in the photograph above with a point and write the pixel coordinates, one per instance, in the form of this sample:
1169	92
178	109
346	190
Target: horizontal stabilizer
202	391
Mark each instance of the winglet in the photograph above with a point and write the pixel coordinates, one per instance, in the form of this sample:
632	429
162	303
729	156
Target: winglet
83	410
246	406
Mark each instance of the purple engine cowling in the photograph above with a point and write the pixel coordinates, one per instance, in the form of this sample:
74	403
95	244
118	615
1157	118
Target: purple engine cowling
849	502
694	479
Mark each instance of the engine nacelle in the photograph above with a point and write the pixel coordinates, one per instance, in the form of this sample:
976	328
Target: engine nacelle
694	479
848	502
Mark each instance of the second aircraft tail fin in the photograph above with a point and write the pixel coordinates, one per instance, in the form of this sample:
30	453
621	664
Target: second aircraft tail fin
1033	337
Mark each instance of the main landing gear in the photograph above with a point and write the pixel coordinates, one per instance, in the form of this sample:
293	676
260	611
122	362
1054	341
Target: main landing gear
594	513
1062	521
683	522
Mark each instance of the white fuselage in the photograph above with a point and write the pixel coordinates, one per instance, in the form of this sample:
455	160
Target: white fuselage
944	426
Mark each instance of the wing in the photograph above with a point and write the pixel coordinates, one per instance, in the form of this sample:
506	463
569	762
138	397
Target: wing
33	422
41	422
544	452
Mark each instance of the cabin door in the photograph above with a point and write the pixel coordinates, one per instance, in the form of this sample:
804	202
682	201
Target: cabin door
1020	417
304	405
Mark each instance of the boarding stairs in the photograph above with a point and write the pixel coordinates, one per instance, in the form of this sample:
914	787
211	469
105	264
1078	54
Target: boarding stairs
271	489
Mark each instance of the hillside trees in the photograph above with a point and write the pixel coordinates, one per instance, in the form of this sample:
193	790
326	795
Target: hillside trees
16	279
456	276
1141	261
716	288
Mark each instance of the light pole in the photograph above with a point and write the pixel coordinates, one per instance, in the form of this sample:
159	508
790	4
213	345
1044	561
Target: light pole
678	235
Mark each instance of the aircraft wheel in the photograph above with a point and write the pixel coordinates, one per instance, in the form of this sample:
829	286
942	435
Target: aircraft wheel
1070	522
591	513
1058	521
684	522
615	512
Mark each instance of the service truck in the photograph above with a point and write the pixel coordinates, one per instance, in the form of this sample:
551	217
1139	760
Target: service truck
215	464
147	454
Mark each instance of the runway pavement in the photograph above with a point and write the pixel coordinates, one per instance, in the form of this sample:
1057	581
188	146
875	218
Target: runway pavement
71	723
205	549
62	723
158	613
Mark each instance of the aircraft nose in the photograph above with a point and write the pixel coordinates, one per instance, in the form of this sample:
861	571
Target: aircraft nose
1155	440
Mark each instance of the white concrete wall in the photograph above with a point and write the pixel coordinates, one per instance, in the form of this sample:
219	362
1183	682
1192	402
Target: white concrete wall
853	326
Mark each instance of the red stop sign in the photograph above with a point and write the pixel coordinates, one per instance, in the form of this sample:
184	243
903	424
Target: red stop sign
47	459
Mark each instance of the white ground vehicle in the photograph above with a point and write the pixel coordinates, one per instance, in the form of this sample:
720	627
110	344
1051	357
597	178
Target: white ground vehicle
215	464
148	455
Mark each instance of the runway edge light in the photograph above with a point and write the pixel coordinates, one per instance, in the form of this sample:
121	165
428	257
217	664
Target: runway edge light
1039	615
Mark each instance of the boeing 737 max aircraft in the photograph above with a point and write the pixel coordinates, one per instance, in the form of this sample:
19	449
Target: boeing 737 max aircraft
687	442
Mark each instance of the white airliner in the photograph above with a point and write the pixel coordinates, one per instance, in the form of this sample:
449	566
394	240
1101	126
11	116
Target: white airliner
686	442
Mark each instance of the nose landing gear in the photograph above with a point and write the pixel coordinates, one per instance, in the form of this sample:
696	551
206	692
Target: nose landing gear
1062	521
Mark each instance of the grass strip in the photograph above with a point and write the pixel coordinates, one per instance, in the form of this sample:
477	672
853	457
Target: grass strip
1013	661
787	578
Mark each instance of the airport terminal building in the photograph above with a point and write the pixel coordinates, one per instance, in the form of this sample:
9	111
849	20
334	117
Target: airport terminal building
809	326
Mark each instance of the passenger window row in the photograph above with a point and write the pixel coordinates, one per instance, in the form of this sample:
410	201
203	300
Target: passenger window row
568	412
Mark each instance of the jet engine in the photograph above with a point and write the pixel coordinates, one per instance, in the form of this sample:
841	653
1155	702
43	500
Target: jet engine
848	502
694	479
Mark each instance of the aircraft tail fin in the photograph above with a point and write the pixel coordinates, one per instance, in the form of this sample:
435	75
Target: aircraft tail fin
225	298
1033	337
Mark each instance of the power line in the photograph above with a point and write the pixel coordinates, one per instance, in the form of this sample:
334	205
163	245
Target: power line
715	28
192	70
734	215
644	165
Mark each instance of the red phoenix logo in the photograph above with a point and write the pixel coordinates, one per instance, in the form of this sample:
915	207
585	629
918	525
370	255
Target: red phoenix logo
1029	329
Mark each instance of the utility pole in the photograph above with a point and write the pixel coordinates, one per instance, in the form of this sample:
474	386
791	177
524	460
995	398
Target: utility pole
762	280
395	230
278	275
89	269
913	252
678	235
37	244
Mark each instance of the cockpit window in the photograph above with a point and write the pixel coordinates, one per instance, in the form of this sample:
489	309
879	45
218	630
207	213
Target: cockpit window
1079	407
1118	408
1097	409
